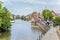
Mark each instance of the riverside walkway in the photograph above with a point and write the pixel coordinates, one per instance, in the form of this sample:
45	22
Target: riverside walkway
51	35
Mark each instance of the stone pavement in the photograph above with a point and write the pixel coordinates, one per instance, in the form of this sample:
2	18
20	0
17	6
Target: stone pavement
51	35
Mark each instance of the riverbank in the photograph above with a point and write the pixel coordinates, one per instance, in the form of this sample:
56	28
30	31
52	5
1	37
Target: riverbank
51	35
58	35
41	25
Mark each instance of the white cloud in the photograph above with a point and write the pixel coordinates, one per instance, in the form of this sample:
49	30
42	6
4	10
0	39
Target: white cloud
25	1
33	2
54	3
6	2
28	9
23	11
3	0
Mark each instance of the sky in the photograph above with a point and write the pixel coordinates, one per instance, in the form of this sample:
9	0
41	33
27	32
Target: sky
24	7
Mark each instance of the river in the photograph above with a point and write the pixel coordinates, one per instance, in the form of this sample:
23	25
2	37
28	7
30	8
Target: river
21	30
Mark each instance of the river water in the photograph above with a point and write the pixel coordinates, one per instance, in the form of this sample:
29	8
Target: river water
21	30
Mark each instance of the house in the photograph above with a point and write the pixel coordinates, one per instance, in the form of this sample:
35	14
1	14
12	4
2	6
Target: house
54	14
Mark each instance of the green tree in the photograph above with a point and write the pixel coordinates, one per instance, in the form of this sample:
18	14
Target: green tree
34	13
0	21
0	13
4	18
56	21
0	4
47	14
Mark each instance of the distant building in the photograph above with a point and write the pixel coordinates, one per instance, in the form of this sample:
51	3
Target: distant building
17	16
32	19
54	14
37	17
27	17
12	17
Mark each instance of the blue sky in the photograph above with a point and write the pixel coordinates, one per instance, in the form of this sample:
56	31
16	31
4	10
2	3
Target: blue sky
24	7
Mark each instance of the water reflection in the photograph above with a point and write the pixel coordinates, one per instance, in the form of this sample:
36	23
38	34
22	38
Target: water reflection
37	31
5	36
21	30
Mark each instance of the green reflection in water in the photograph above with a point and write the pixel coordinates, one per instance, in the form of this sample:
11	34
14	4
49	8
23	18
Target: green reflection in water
5	36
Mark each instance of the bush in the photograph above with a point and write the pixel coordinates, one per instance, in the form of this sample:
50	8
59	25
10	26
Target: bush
56	21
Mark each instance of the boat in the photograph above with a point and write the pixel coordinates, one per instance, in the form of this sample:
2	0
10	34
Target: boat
12	21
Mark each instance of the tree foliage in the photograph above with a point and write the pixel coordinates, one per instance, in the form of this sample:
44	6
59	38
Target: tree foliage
47	14
34	13
4	18
56	21
23	18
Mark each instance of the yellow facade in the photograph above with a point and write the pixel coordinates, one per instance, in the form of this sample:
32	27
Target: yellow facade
54	14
